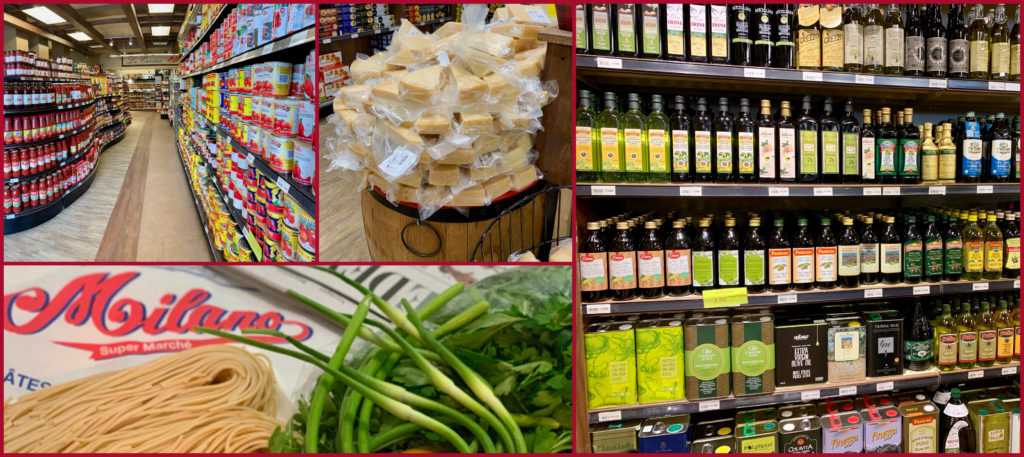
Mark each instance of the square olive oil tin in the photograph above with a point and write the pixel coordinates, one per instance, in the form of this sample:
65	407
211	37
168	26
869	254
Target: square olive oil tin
659	360
707	354
883	430
614	437
611	365
885	343
920	427
991	424
801	351
753	354
800	435
758	437
847	349
661	435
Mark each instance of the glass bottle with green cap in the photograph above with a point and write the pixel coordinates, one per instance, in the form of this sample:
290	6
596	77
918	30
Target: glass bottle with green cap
634	147
588	163
609	126
659	147
825	256
967	338
913	252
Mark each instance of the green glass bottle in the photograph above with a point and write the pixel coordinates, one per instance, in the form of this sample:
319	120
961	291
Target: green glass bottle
807	145
659	148
933	260
974	250
967	338
634	147
913	252
588	164
946	338
1004	333
609	127
987	336
993	249
703	155
725	143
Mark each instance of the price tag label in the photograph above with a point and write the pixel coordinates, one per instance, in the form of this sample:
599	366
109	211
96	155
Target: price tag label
600	308
605	62
285	187
872	191
848	390
822	191
778	191
325	41
602	190
812	76
14	180
936	190
890	191
609	416
753	72
712	405
298	38
1008	371
883	386
865	79
250	158
872	293
689	191
1013	87
267	49
8	216
984	189
976	374
979	286
786	298
996	85
1016	284
936	83
922	290
809	395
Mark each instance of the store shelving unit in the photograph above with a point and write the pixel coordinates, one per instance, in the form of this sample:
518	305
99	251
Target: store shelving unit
300	37
352	36
786	191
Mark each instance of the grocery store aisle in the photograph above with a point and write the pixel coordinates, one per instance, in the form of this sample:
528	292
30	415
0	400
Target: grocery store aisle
341	235
154	218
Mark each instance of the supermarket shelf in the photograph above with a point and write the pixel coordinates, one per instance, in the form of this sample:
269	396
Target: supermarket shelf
187	27
33	79
49	140
785	191
71	159
48	109
109	96
878	291
303	193
237	216
214	252
79	190
118	121
908	380
350	36
303	36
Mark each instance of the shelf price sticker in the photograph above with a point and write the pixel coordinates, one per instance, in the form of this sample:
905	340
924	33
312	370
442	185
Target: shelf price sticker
822	191
8	216
250	158
996	85
872	293
600	308
717	298
975	374
778	191
602	190
865	79
690	191
609	416
285	187
848	390
786	298
808	395
1013	87
936	83
1016	284
872	191
605	62
812	76
298	38
1008	371
15	180
883	386
979	286
984	189
922	290
891	191
936	190
710	405
753	72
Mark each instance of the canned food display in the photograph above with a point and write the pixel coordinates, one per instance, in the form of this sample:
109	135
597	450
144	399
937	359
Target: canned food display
286	116
304	163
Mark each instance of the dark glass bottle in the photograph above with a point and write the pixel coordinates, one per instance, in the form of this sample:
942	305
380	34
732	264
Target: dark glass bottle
867	150
762	35
978	35
850	146
953	250
780	259
746	148
887	147
849	255
650	263
913	252
936	44
675	31
853	39
703	149
699	33
829	144
652	31
803	257
956	432
869	253
784	53
682	141
933	251
891	253
754	259
627	19
874	39
894	33
725	143
678	275
970	148
909	150
767	145
622	264
959	48
807	145
787	144
602	29
740	34
1000	151
593	265
914	50
582	29
918	340
718	23
1015	48
825	262
1011	235
704	258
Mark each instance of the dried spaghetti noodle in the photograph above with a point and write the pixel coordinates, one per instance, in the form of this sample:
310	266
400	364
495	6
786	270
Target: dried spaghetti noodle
213	398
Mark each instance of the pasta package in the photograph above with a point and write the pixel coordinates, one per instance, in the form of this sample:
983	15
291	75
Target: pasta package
460	107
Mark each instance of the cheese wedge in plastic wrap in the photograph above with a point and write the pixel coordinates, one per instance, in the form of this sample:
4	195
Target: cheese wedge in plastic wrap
476	123
433	124
444	175
474	195
365	69
421	84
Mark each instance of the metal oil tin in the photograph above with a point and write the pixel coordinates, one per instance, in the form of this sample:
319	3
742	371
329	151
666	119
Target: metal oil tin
758	438
920	427
713	429
885	343
801	351
832	406
614	437
800	435
873	401
756	415
797	411
914	396
842	433
665	435
714	445
883	430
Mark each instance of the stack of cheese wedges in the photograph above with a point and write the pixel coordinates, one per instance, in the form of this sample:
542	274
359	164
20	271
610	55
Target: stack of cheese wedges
448	118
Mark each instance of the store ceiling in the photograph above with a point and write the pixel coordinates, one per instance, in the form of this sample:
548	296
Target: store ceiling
130	27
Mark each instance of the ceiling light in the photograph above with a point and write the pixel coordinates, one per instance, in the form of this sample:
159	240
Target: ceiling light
79	36
95	45
159	43
157	8
45	15
160	30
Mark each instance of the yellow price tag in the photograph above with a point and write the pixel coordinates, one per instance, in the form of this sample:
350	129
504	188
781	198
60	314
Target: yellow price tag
718	298
256	249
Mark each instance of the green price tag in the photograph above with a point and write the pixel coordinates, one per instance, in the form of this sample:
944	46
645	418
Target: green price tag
718	298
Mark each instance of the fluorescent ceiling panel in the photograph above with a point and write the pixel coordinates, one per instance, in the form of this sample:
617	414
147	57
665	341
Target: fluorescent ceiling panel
161	30
158	8
79	36
44	14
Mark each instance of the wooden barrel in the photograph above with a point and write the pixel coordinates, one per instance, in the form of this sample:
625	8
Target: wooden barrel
395	233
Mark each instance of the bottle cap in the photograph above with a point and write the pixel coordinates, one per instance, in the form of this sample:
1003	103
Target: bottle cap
593	226
650	225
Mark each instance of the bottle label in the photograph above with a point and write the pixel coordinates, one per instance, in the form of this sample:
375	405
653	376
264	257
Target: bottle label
911	149
972	149
830	152
936	54
766	148
808	152
929	164
602	31
974	253
987	345
867	158
994	256
933	257
698	31
979	56
850	154
633	141
610	150
808	48
651	269
1004	346
803	265
584	150
849	260
680	151
847	345
918	351
825	260
832	48
947	349
581	27
853	46
763	17
958	56
915	53
741	25
1002	153
1013	253
873	45
894	47
674	27
745	153
592	271
677	267
652	37
728	267
702	151
622	270
968	343
1014	59
723	143
1000	58
627	35
886	157
952	437
719	31
703	268
783	29
869	258
780	261
753	268
912	259
892	257
658	159
787	154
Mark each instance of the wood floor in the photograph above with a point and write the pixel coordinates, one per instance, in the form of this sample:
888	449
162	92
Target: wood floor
138	208
342	238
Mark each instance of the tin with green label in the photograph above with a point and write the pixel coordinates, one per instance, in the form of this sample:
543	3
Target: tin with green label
614	437
753	354
611	365
991	424
669	434
758	438
756	415
659	360
706	352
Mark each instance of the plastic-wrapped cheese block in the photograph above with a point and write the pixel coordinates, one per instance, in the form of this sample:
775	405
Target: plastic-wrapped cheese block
474	195
364	69
433	124
476	123
445	175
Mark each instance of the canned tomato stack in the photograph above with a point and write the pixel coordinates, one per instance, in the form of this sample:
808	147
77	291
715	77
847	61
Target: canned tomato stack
284	230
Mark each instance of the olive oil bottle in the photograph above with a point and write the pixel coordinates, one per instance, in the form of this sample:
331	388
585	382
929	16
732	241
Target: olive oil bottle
729	256
894	47
913	253
652	23
787	145
886	150
874	40
850	147
967	338
761	32
974	250
678	274
929	157
807	144
987	336
698	32
829	142
825	261
891	249
946	340
784	53
1011	267
909	150
1004	334
999	47
754	258
803	257
853	39
867	150
704	258
650	263
947	155
740	42
725	144
626	26
780	259
622	280
675	31
832	48
609	127
953	249
602	29
767	147
808	37
869	252
659	148
849	255
681	141
746	153
978	39
993	249
634	148
933	253
704	158
718	23
588	164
